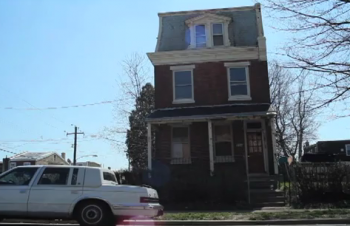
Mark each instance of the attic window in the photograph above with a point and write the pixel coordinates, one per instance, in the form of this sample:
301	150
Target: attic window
209	30
218	35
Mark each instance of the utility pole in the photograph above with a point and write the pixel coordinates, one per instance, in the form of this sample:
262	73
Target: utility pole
75	143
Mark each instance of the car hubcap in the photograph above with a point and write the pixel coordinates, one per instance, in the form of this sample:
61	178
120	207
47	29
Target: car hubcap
92	214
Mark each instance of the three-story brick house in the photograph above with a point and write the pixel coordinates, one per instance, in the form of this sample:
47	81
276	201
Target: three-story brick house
212	100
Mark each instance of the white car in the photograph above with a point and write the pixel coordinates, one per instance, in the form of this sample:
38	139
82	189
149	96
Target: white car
89	195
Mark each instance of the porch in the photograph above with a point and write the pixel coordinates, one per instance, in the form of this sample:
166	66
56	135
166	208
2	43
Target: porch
221	137
232	142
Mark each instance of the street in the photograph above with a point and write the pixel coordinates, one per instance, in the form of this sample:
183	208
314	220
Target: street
36	224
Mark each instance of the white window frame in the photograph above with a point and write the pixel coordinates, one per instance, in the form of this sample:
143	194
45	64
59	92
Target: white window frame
347	147
212	35
27	164
238	65
179	69
180	160
228	158
208	20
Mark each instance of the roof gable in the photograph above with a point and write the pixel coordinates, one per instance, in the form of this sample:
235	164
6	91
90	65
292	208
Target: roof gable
208	17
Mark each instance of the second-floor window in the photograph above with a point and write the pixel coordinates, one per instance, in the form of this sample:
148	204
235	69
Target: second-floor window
238	81
183	84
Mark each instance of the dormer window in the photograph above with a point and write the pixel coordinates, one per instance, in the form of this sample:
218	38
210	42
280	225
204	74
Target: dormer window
218	35
201	38
209	30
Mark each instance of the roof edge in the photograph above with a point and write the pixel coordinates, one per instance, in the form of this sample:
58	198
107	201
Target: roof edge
241	8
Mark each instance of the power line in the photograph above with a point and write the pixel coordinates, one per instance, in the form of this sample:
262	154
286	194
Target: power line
59	107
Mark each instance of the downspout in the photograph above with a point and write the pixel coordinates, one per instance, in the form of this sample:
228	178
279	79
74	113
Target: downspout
246	158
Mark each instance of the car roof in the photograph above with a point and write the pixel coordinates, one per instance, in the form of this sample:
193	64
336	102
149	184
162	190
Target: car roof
63	166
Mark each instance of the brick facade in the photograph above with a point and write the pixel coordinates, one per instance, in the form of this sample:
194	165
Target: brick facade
211	84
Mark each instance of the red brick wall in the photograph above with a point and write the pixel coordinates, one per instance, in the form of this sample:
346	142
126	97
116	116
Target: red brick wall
211	85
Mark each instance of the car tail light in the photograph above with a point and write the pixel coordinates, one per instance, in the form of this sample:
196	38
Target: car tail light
148	200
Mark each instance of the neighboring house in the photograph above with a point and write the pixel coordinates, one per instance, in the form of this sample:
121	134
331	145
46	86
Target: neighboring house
88	163
37	158
212	99
327	151
1	169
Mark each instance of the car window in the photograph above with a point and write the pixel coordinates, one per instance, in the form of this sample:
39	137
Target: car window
54	176
19	176
74	177
109	176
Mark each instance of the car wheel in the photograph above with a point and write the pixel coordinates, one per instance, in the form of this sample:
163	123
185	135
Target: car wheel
95	213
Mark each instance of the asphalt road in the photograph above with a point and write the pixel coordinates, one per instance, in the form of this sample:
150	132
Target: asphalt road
35	224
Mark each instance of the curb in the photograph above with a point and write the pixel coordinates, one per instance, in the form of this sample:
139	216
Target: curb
191	222
239	222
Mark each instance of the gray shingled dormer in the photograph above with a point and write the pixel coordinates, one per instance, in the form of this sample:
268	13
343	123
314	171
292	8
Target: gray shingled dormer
175	33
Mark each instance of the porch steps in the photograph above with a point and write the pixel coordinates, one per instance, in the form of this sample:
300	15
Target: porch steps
263	192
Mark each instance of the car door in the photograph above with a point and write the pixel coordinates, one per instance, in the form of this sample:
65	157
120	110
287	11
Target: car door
53	193
14	190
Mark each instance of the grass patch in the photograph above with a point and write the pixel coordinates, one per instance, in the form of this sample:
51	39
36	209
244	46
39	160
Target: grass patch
280	215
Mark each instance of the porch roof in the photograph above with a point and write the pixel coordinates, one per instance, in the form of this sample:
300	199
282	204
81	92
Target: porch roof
211	112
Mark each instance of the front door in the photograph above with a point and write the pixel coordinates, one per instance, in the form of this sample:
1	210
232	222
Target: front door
255	150
14	191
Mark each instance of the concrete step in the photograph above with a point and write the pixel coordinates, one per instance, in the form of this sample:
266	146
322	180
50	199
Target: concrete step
265	191
268	199
268	204
263	184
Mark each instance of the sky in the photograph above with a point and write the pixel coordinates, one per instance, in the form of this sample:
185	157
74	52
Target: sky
63	53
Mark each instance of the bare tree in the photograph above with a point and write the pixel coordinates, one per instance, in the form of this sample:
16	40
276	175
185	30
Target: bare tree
130	83
295	121
320	44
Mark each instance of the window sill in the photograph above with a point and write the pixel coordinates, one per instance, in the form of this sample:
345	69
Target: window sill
184	101
180	161
224	159
232	98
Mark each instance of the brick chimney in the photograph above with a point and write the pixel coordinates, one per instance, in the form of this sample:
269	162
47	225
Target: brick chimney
63	155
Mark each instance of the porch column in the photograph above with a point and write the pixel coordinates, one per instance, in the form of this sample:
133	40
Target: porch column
211	147
273	136
149	145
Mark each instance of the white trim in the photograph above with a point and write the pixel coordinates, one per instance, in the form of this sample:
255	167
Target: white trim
159	33
217	54
208	19
238	97
182	67
242	8
205	17
149	145
228	158
237	64
183	101
259	19
273	137
346	146
179	69
211	147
